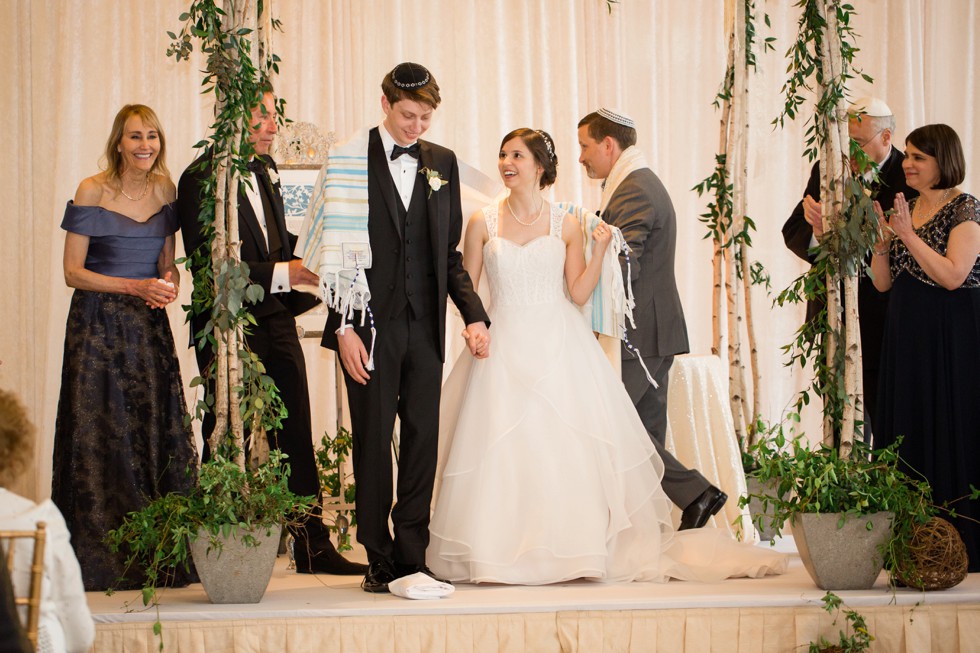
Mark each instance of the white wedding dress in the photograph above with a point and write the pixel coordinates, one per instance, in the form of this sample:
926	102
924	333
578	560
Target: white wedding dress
546	473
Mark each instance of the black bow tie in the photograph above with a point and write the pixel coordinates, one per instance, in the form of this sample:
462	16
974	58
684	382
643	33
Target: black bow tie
412	151
257	165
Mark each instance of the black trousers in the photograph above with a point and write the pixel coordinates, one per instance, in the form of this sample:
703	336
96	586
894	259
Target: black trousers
681	485
276	343
407	382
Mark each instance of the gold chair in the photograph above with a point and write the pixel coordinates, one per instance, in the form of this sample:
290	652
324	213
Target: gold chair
33	600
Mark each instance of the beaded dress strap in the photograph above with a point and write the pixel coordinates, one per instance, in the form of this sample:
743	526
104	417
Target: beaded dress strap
490	217
557	219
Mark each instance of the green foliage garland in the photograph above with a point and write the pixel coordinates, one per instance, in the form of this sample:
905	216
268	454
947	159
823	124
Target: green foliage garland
843	249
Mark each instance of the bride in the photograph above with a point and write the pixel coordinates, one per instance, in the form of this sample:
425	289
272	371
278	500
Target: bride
546	472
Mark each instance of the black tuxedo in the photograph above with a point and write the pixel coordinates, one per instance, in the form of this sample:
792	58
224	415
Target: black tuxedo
415	265
872	304
274	337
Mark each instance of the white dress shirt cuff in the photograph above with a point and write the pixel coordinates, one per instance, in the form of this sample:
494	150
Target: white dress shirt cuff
280	278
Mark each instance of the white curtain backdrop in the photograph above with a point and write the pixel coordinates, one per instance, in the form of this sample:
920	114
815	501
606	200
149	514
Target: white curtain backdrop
71	64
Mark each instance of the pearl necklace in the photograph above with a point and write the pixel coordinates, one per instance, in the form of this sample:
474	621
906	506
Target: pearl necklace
932	209
146	187
526	224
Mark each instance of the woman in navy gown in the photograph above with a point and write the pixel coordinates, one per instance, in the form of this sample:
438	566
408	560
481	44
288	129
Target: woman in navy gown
930	354
120	437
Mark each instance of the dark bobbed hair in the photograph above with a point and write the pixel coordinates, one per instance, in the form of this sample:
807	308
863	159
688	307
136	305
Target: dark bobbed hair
537	143
940	141
113	157
600	127
427	94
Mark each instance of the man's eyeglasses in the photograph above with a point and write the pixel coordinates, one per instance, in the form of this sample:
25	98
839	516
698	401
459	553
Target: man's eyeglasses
869	139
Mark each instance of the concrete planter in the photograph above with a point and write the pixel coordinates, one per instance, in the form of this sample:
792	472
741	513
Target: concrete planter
236	573
846	558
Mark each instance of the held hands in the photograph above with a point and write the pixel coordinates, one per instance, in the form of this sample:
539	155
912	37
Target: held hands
813	214
477	338
157	293
300	276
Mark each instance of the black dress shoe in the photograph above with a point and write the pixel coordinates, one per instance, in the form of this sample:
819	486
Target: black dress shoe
699	511
421	569
379	573
325	561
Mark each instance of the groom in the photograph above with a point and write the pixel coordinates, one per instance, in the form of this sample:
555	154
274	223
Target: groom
393	358
634	199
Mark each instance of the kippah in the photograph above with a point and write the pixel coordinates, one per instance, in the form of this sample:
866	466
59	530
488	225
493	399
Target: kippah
409	75
871	106
617	117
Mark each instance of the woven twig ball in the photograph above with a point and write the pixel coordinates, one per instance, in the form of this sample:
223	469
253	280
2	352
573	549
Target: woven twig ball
937	557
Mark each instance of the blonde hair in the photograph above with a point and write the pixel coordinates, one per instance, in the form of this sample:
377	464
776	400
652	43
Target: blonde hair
16	438
113	158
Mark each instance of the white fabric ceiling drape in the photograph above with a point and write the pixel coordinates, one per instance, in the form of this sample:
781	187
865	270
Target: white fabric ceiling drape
501	64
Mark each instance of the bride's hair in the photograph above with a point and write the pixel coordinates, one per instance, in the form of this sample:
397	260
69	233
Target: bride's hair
542	148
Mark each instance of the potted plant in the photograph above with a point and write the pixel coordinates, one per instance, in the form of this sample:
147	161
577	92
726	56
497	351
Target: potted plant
231	509
337	483
845	499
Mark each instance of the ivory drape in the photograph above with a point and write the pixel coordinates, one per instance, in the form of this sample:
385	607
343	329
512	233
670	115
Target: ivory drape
70	65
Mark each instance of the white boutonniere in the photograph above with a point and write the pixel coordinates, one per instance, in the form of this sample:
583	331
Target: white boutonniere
434	180
274	176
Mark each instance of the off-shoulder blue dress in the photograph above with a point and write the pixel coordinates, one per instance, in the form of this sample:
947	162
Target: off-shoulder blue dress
120	437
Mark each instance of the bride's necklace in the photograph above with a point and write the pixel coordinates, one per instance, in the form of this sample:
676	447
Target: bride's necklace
928	213
146	187
526	224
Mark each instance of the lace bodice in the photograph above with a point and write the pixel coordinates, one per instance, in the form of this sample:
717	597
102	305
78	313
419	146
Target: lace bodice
532	273
935	233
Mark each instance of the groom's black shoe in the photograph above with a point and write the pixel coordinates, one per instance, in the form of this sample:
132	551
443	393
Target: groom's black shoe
420	569
380	572
699	511
326	560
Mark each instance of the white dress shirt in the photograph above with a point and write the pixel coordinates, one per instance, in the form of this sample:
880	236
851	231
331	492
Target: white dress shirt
403	169
280	272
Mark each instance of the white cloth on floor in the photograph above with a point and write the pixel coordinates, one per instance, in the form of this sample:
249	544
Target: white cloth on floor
420	586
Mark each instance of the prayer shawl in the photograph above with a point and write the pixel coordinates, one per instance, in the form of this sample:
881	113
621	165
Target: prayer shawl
629	161
611	303
334	240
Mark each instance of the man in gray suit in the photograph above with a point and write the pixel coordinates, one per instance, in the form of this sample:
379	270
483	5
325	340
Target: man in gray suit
635	201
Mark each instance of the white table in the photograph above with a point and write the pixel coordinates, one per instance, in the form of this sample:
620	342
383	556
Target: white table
701	432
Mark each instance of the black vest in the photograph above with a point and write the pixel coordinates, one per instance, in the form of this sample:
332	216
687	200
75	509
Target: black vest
416	286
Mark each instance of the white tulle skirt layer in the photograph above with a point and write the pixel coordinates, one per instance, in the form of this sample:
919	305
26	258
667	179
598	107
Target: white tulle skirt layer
546	473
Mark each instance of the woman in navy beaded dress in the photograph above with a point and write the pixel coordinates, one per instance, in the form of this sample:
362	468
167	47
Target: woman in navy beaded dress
120	437
930	260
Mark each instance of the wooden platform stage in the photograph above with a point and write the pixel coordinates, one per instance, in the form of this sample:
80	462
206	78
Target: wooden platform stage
319	614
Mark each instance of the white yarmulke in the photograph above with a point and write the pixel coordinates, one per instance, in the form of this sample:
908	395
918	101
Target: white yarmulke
871	106
617	117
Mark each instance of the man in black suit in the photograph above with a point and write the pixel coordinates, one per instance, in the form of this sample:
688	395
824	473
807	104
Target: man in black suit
414	227
871	125
267	248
